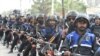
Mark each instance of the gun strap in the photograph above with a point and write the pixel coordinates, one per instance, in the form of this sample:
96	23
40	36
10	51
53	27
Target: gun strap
53	37
79	42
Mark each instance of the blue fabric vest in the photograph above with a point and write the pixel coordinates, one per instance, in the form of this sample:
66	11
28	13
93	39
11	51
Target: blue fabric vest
86	42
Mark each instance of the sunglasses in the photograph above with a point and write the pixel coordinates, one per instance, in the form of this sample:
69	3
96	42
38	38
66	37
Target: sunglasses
70	18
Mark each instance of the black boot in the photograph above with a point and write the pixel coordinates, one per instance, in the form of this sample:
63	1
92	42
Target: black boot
18	54
11	51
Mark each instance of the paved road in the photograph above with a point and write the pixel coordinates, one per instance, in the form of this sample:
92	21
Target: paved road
4	51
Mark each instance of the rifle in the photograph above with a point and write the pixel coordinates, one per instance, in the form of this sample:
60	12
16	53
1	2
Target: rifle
63	23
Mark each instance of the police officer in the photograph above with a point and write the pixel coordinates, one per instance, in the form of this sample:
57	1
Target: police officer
80	42
50	28
36	27
18	23
40	23
70	20
11	21
46	33
8	37
1	19
23	44
15	40
96	27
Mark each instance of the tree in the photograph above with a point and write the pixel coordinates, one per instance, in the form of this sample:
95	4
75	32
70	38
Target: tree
44	6
41	6
70	5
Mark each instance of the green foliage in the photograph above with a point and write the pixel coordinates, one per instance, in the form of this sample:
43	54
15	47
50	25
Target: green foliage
41	6
71	5
44	6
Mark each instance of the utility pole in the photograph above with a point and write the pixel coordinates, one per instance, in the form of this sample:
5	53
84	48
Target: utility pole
52	9
63	10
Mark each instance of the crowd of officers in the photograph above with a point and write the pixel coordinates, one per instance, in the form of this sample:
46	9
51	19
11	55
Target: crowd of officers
75	35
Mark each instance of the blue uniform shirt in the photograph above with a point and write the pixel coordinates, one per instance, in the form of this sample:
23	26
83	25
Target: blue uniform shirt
48	33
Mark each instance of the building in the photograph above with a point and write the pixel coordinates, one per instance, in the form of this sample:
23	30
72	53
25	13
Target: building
92	3
93	6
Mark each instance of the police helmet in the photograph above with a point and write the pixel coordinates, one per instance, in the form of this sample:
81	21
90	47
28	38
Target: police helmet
82	18
71	14
40	19
52	18
97	16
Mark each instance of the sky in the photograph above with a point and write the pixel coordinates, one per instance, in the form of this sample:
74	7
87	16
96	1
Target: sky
6	5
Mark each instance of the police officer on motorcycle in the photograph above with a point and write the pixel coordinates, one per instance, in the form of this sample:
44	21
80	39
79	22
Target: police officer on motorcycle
80	42
70	18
